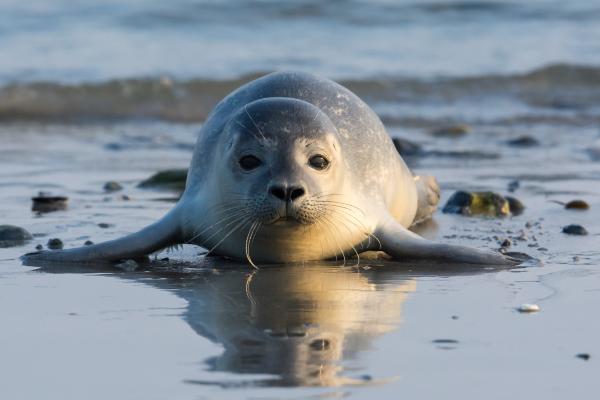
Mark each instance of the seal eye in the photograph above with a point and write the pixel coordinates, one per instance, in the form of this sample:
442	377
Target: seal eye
249	162
318	162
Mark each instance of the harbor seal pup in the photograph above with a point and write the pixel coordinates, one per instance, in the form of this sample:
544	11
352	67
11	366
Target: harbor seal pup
292	167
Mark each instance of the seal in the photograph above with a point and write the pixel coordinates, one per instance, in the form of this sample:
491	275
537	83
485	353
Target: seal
292	167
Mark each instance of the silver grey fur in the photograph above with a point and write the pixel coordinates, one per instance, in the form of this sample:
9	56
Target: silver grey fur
285	210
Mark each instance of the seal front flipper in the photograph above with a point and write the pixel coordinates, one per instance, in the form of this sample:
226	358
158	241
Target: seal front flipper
403	244
161	234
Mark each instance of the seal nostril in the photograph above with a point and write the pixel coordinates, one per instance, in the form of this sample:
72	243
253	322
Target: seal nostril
296	192
278	192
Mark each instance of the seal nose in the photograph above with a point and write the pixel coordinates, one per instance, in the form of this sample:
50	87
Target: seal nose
286	193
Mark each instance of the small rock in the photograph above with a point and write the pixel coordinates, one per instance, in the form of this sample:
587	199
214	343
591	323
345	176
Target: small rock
522	237
88	243
523	141
406	147
506	243
112	186
576	258
513	185
124	197
577	205
104	225
127	266
575	229
11	236
542	249
54	244
477	203
583	356
452	130
528	308
172	179
528	224
46	203
454	317
39	247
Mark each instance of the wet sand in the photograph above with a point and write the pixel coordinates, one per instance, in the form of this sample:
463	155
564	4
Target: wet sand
204	328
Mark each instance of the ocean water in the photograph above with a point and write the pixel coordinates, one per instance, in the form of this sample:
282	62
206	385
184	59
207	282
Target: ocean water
87	40
92	91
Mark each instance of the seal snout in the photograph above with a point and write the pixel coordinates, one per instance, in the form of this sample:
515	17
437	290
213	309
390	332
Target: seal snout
287	193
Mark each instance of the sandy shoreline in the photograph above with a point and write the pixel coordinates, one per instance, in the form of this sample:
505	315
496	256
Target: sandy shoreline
176	337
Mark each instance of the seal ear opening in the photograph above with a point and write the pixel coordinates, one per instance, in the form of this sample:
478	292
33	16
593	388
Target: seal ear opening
136	246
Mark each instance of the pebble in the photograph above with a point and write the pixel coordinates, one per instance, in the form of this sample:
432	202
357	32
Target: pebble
104	225
55	244
583	356
513	185
528	308
39	247
127	266
542	249
452	130
112	186
88	243
523	141
577	205
45	203
575	229
506	243
11	235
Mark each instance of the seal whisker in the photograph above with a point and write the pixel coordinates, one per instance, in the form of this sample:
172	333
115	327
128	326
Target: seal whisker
222	220
227	225
251	232
254	122
350	236
242	224
334	238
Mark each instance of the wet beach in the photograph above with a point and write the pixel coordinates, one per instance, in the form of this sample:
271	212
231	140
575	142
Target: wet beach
186	326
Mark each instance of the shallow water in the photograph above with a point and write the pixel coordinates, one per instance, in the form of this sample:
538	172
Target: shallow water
209	329
116	90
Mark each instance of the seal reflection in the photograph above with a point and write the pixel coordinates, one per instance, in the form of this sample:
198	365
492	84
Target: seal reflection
298	325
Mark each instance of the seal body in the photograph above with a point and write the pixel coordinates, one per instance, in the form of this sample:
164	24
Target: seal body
293	167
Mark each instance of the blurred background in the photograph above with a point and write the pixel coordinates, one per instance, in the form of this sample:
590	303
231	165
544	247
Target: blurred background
175	59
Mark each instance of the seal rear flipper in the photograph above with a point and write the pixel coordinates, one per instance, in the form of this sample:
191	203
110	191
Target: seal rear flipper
154	237
403	245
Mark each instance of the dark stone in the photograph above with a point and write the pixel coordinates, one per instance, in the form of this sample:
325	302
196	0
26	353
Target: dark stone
583	356
11	236
477	203
55	244
513	185
577	205
39	247
173	179
88	243
112	186
575	229
45	203
104	225
506	243
524	141
452	130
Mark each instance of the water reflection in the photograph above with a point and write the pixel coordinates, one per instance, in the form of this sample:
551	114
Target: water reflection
292	325
299	325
